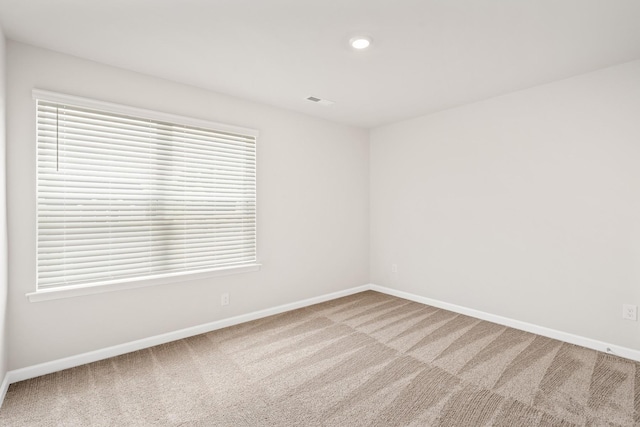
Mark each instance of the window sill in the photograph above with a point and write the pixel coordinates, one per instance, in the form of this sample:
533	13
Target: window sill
117	285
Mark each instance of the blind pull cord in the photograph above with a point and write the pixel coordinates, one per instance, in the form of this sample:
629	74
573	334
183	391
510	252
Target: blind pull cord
57	146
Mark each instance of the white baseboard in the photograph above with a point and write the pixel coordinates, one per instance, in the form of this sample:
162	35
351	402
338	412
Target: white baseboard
625	352
4	387
116	350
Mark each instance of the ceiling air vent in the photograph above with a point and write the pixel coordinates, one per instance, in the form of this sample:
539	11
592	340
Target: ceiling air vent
320	101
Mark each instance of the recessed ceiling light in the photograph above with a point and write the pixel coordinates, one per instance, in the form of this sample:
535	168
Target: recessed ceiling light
360	42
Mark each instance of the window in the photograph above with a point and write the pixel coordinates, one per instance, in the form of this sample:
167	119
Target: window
125	194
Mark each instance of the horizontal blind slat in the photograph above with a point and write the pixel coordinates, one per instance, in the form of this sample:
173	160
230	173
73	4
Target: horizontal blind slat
86	259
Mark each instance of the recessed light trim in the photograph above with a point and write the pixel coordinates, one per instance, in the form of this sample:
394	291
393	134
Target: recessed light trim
360	42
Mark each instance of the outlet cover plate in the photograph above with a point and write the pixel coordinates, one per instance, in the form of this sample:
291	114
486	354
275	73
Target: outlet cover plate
630	312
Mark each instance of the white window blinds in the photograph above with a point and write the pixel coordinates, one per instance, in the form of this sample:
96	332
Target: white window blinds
125	196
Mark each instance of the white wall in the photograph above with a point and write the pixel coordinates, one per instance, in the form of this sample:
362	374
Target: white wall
312	213
3	215
525	206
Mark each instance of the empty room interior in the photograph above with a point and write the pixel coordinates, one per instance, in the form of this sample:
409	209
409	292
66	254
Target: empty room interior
338	213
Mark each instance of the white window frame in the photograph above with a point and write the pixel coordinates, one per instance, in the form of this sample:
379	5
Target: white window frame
137	282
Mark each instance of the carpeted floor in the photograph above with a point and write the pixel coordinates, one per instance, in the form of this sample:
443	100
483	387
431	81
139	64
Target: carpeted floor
364	360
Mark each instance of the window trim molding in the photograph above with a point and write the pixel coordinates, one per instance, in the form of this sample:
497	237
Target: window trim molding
145	281
79	101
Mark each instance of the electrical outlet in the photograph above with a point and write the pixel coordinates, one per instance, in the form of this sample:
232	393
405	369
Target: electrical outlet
224	299
629	312
394	268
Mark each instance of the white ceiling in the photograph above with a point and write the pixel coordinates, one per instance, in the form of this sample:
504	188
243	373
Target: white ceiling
427	55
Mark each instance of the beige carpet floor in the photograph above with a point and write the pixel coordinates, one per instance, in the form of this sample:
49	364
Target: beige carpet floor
364	360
